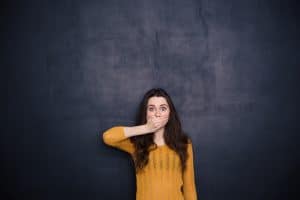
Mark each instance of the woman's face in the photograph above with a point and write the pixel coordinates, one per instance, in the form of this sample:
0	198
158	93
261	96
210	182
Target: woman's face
157	107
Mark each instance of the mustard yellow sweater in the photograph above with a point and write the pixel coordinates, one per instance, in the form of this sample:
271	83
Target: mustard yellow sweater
161	178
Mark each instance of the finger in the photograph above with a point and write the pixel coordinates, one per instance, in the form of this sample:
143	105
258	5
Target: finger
160	120
164	119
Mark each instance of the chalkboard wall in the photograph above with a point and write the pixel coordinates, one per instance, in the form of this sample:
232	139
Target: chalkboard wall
77	68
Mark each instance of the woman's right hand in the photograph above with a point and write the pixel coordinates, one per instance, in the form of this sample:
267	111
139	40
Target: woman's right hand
155	123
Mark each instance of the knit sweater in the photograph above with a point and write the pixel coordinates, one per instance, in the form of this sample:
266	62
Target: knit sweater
161	178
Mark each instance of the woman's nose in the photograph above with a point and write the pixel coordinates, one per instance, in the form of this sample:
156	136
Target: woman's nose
157	113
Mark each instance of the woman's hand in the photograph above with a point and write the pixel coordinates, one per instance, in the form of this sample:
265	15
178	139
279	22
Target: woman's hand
155	123
152	125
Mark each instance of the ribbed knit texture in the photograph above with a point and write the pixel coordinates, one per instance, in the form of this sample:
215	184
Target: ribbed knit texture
161	178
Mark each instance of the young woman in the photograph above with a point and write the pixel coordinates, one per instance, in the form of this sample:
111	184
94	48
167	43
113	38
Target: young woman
162	152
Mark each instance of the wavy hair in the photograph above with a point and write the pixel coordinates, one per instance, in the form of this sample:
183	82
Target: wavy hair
174	136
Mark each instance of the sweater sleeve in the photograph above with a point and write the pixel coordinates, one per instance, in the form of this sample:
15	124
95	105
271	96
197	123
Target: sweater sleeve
115	137
189	188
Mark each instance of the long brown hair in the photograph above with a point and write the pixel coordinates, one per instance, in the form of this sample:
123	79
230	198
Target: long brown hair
174	136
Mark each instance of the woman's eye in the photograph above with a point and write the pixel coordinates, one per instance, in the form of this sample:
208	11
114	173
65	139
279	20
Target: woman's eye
151	109
163	108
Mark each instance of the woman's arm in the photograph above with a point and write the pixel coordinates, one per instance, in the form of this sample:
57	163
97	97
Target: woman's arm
151	126
118	136
136	130
189	188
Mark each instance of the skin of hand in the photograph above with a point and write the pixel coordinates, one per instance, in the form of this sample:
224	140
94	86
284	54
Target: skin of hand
155	123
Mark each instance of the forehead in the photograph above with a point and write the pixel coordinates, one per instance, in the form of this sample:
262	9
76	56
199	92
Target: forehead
157	101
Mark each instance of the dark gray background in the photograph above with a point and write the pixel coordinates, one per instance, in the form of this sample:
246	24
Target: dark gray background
77	68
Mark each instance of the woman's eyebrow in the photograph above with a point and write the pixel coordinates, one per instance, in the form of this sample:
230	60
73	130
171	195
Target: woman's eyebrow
160	105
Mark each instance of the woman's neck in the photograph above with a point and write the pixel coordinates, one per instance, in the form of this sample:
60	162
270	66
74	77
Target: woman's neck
159	137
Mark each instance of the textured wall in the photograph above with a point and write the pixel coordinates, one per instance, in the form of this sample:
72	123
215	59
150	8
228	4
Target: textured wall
77	68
